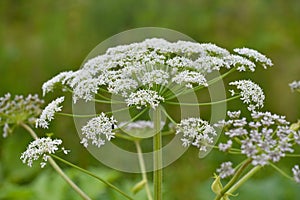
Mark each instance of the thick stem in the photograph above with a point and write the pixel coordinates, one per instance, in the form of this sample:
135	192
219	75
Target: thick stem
57	168
157	155
143	169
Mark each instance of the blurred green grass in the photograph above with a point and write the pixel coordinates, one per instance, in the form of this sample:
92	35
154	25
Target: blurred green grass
39	39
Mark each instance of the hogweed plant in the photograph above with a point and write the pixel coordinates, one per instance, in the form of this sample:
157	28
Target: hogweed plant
147	79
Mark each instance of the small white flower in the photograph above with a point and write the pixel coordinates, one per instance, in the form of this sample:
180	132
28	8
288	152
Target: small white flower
48	113
158	77
49	85
96	128
240	62
143	98
251	93
18	109
41	148
250	53
207	64
6	130
295	85
234	114
196	132
140	124
85	89
122	86
225	146
296	173
266	138
188	78
226	170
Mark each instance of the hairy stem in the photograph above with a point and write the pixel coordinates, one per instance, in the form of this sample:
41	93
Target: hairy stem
143	169
57	168
157	157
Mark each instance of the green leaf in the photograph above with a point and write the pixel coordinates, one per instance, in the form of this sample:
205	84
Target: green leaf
217	186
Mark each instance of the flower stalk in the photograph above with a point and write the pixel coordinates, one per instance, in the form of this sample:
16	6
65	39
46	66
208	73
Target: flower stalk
143	169
157	155
93	175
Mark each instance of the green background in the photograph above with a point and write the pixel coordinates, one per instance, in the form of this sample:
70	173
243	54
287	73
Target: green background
39	39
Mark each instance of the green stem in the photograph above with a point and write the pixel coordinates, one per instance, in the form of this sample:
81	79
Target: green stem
73	115
233	179
93	175
143	168
157	157
292	155
281	172
57	168
168	116
108	102
87	116
244	179
202	104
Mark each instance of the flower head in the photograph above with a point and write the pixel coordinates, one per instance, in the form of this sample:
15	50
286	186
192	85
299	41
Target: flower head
151	68
226	170
48	113
258	57
251	93
143	98
265	138
60	78
196	132
18	109
41	148
97	130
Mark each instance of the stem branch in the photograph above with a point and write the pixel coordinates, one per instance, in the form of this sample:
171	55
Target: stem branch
93	175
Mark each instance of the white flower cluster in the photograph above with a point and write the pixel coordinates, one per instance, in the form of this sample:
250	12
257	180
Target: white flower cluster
226	170
265	139
96	128
144	98
258	57
295	85
18	109
150	65
296	173
251	93
140	124
188	78
60	78
41	148
48	113
196	132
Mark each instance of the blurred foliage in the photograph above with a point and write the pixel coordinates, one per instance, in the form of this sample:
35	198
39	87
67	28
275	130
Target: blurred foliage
39	39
